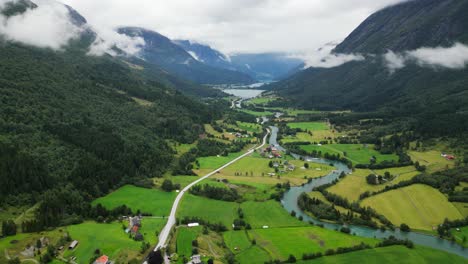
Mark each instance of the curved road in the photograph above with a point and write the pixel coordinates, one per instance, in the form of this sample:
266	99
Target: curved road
163	236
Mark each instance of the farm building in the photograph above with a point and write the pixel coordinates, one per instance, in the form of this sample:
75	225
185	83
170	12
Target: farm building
73	244
102	260
193	224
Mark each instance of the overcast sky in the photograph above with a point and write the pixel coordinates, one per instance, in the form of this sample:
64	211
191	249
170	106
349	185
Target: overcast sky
234	26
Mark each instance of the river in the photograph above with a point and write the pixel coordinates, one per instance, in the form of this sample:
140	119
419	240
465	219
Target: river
289	203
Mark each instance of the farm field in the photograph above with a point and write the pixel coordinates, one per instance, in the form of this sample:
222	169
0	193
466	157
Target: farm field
210	210
431	159
110	239
281	242
258	169
356	153
237	241
462	208
355	184
152	201
185	236
317	136
309	126
215	162
391	255
250	127
254	254
461	236
419	206
150	227
269	213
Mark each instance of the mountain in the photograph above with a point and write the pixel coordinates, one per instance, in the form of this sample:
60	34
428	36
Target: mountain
262	66
267	66
206	54
161	51
75	126
414	88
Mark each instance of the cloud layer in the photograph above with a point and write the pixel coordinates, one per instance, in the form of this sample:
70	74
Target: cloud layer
291	26
324	58
455	57
47	26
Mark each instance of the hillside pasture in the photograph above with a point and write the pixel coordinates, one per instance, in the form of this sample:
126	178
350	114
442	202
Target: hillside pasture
419	206
210	210
356	153
269	213
153	201
281	242
309	126
391	255
355	184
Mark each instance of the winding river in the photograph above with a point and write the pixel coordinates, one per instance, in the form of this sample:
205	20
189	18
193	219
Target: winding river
289	203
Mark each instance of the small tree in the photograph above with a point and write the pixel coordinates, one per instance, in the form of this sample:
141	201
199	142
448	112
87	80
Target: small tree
306	165
405	228
292	259
167	185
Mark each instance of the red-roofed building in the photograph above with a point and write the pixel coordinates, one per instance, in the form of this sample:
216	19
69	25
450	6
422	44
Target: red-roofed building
102	260
135	229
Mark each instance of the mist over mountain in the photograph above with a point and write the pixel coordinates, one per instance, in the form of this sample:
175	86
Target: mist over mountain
414	59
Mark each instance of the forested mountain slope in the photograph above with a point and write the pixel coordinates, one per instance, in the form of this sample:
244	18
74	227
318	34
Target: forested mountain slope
413	88
74	126
161	51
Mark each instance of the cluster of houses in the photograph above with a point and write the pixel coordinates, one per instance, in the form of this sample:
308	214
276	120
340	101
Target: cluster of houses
286	166
240	135
134	225
271	152
448	156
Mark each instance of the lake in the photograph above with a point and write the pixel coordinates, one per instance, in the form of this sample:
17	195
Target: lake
244	93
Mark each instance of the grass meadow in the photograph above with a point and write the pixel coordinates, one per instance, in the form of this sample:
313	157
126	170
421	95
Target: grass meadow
281	242
391	255
419	206
152	201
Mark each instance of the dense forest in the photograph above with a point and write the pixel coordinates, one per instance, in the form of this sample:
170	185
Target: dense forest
73	127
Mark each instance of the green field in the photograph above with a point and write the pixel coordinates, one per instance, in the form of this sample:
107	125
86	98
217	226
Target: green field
355	184
237	241
309	126
462	208
210	210
150	228
431	159
356	153
269	213
216	162
419	206
316	137
260	100
252	255
281	242
461	236
257	170
391	255
250	127
185	236
110	239
152	201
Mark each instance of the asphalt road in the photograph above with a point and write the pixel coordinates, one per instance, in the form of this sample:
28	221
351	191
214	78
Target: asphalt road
164	235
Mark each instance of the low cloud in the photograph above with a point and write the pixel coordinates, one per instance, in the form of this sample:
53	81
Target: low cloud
110	42
47	26
325	58
394	61
455	57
